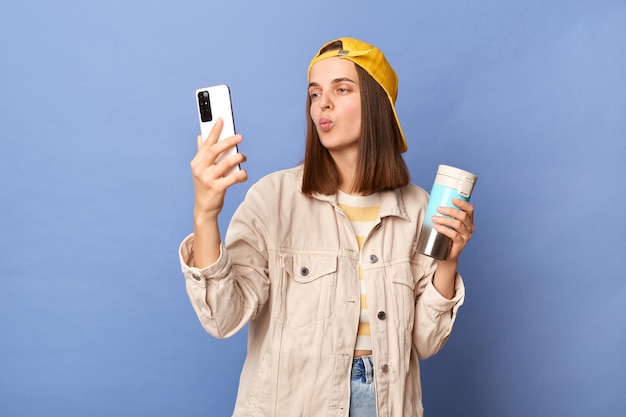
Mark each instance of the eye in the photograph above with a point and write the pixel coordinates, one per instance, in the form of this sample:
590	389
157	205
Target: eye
314	95
342	90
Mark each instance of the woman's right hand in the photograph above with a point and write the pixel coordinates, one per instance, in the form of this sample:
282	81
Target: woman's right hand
210	186
209	182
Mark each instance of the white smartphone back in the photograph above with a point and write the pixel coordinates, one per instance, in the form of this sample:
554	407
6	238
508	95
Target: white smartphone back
212	103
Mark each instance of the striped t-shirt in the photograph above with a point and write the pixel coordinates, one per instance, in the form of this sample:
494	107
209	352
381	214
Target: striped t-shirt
362	211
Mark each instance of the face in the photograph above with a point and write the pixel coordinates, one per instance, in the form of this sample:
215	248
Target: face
336	104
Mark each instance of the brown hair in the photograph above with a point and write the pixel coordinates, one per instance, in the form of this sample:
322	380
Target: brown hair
380	165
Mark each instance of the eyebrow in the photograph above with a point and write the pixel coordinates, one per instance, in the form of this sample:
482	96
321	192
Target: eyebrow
335	81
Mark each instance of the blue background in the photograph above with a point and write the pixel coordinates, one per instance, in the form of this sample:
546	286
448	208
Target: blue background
98	125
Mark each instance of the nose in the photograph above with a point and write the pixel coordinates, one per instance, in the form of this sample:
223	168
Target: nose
325	101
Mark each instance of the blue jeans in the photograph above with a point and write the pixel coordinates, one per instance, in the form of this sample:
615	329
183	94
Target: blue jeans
362	390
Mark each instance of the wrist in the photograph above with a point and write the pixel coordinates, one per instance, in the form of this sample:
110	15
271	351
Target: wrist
449	264
445	278
201	218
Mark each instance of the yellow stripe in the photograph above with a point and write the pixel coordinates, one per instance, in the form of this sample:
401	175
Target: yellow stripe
361	214
364	302
364	329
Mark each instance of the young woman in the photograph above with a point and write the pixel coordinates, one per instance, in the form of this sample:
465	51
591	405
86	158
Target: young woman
320	259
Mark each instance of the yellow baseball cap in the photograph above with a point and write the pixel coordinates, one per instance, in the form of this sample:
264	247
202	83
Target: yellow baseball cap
373	61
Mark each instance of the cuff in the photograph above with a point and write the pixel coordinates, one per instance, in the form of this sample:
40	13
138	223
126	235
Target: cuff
185	256
438	302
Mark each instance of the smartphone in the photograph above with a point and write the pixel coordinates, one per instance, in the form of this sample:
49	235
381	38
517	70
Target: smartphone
214	102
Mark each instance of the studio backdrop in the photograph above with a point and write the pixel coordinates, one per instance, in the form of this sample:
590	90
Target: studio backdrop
98	126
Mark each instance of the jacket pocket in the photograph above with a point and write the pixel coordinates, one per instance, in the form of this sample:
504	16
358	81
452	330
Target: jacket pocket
404	294
308	288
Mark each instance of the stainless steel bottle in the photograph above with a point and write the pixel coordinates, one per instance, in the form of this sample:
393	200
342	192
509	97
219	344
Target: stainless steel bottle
449	183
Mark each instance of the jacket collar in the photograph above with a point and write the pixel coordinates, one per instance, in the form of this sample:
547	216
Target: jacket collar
391	203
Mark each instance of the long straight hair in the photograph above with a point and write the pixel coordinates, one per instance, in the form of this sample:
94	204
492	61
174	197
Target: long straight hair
380	165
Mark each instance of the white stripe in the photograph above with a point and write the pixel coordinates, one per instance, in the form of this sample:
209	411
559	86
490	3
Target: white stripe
358	200
362	229
364	317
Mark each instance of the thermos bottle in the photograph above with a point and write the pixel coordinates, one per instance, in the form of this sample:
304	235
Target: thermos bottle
450	183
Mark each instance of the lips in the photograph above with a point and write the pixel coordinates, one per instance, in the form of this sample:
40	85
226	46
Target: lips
325	124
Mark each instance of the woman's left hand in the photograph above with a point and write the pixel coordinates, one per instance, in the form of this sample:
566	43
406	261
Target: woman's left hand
459	226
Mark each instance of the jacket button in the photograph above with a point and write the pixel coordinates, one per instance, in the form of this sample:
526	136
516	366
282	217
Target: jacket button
382	315
385	368
304	271
373	259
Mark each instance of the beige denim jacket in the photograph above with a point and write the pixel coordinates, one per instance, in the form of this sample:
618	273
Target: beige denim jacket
289	268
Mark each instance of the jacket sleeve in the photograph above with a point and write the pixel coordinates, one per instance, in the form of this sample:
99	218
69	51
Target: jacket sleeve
232	291
434	314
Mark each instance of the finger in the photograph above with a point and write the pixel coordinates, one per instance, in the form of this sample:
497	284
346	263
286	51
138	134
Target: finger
455	218
224	182
226	143
459	239
453	212
455	236
214	133
449	223
208	154
466	206
236	177
227	164
465	215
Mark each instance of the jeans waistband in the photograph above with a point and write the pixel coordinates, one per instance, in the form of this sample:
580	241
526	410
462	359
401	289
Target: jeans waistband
363	368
